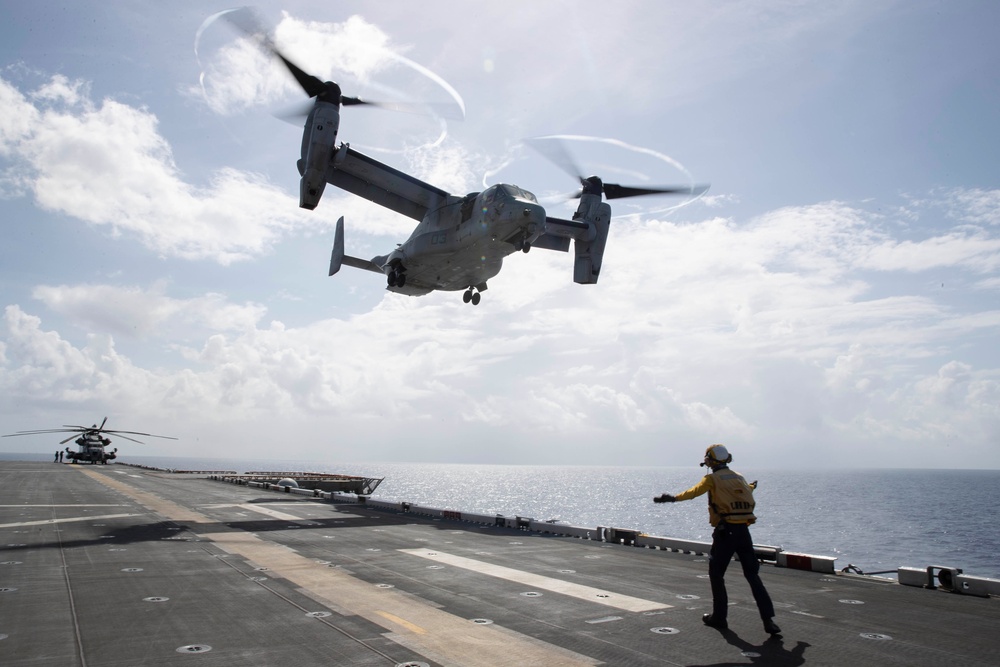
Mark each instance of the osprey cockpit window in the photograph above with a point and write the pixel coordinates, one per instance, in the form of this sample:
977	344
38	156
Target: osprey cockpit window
517	192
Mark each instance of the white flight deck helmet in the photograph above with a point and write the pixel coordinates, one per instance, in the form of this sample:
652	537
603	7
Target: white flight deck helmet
716	455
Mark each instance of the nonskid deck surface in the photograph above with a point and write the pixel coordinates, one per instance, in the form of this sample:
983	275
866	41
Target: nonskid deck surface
106	565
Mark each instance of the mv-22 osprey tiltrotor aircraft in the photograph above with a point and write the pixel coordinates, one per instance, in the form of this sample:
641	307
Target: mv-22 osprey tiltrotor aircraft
90	441
460	241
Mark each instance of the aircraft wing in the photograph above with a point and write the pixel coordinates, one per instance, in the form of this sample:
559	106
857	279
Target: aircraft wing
558	233
366	177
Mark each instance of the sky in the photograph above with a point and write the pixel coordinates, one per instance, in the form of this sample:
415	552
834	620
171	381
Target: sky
832	301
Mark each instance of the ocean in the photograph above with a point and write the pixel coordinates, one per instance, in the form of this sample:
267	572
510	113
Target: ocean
875	520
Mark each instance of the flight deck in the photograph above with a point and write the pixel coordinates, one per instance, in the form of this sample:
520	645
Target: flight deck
118	566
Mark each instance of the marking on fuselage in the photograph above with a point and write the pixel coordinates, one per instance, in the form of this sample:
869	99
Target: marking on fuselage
589	593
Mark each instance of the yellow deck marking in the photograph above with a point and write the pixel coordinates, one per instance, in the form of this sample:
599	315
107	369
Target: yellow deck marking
412	627
42	522
150	501
445	638
589	593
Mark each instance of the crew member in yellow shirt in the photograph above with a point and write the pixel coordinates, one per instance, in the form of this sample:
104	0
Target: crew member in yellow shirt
730	510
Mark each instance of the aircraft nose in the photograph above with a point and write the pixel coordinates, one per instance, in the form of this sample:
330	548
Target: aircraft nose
532	212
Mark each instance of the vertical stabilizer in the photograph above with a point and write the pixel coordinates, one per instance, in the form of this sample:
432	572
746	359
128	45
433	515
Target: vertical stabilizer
337	257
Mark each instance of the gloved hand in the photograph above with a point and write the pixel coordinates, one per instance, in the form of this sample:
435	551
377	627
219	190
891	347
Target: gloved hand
664	498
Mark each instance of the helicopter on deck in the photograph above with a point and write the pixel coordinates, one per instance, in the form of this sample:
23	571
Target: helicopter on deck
90	441
459	242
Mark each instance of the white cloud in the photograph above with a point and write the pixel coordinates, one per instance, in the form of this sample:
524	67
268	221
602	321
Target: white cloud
971	249
240	74
136	312
975	205
63	91
758	332
106	164
40	366
17	117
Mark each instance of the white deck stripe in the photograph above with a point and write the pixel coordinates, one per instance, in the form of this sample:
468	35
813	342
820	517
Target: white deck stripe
600	596
259	509
451	639
72	505
75	518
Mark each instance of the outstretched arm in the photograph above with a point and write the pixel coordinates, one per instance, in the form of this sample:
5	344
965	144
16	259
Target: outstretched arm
704	486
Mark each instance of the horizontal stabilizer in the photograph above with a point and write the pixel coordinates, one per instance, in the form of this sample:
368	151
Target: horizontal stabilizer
338	258
366	264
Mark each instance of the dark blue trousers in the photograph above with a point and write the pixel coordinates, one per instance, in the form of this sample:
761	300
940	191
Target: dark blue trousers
729	539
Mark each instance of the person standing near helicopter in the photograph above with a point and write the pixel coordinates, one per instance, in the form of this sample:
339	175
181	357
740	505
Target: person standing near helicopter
730	511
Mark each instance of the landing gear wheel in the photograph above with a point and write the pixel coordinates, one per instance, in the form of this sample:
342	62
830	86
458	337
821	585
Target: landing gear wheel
400	279
467	297
392	279
526	247
475	299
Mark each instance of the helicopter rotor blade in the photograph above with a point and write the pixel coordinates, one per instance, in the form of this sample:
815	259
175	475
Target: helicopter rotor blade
77	431
615	191
246	21
44	431
119	435
555	151
148	435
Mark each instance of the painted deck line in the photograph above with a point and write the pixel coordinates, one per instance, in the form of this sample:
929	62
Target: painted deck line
45	522
579	591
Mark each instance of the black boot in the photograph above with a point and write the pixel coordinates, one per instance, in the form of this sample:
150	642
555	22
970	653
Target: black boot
771	627
711	622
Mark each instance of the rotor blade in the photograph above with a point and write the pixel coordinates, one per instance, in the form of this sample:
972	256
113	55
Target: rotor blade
119	435
420	109
63	442
615	191
148	435
296	113
103	423
311	84
45	431
555	151
246	21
